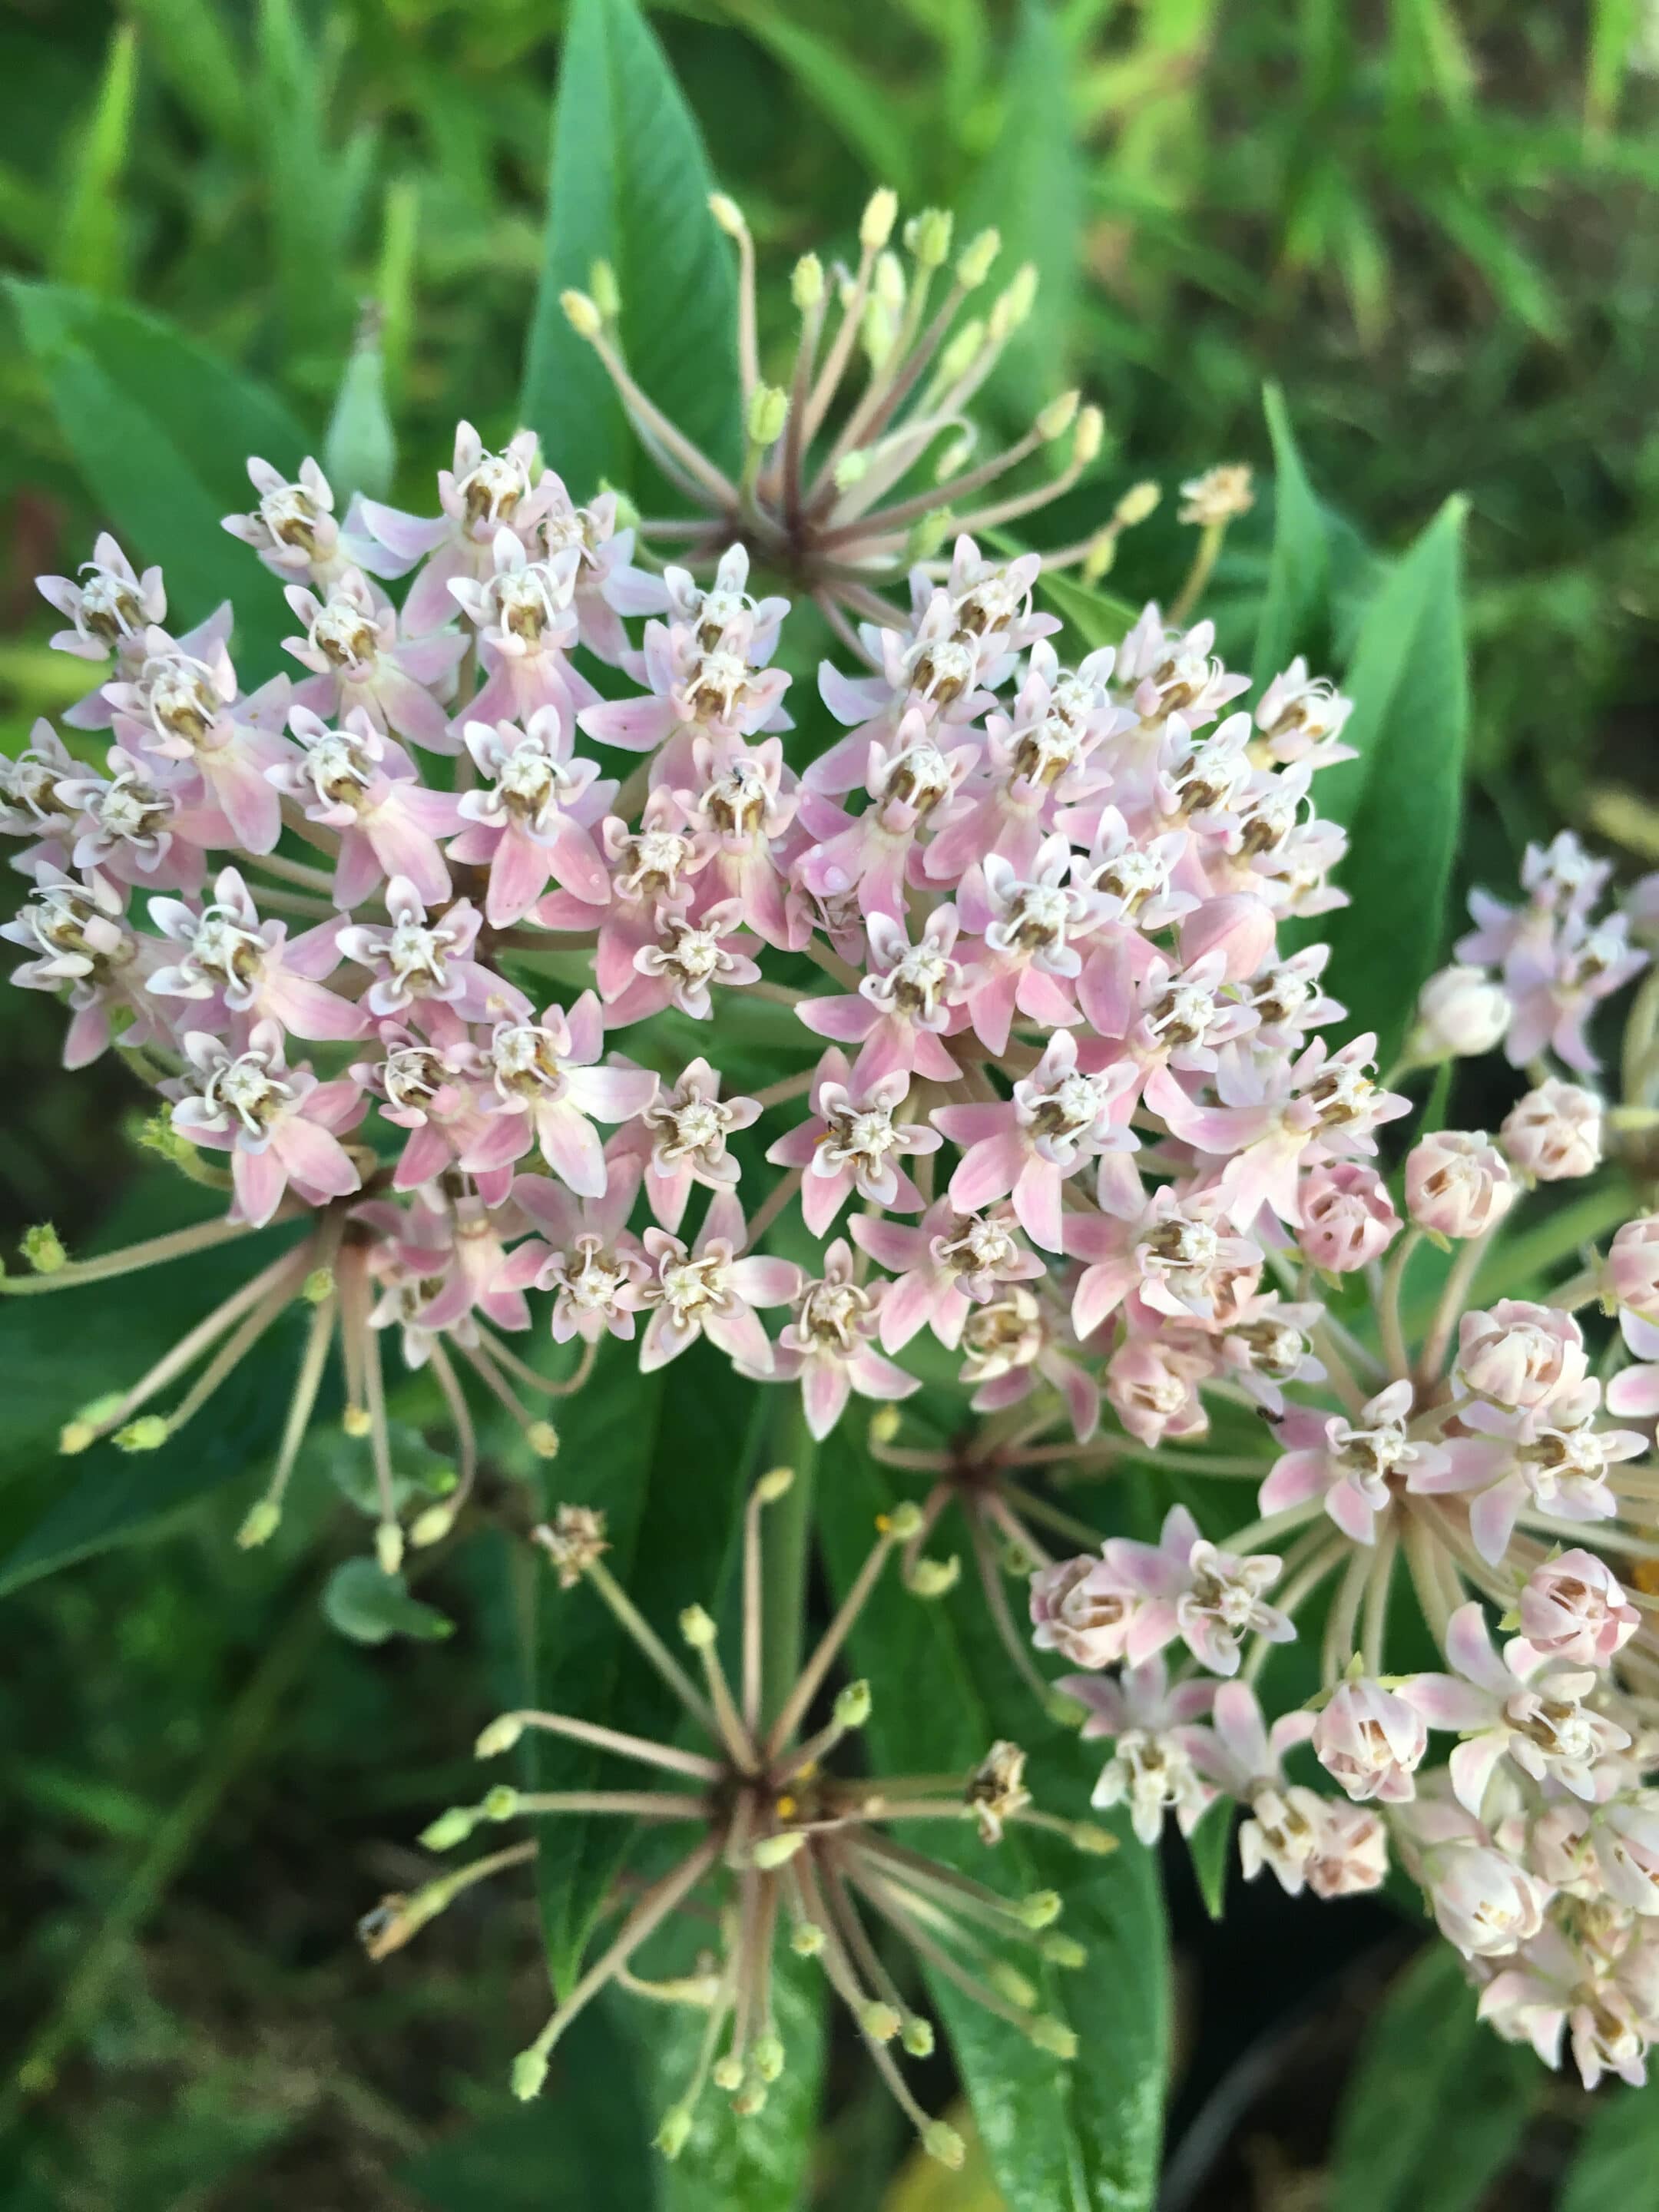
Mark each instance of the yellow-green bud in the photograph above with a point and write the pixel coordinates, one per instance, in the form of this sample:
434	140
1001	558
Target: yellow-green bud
1053	2036
768	407
931	1578
887	287
1014	303
767	2056
356	1422
501	1803
1008	1981
529	2072
853	1705
698	1627
727	2073
607	295
905	1522
775	1484
1058	416
260	1524
43	1247
389	1547
675	2131
431	1526
960	354
884	1424
807	1941
1065	1711
1099	1843
1089	434
879	2021
76	1436
918	2037
1063	1951
726	212
499	1735
852	468
148	1433
928	235
1101	554
943	2144
1040	1909
317	1285
543	1439
450	1828
1136	504
750	2099
974	264
880	213
772	1851
587	321
925	537
806	283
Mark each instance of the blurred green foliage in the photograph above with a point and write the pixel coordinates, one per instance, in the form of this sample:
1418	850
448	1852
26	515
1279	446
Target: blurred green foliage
1431	224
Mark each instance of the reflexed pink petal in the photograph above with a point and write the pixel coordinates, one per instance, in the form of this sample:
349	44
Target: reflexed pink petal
761	1280
260	1179
570	1145
825	1386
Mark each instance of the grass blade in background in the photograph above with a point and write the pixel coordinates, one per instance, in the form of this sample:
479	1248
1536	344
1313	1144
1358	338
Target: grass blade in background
1031	187
91	247
629	184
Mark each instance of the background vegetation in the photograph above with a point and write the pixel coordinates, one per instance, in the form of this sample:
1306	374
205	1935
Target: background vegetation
1433	225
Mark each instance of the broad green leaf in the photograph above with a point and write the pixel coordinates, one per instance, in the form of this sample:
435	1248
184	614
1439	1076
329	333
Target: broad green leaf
733	2165
91	243
664	1457
1294	618
1401	799
629	184
1437	2104
1082	2138
1618	2153
1031	187
584	2145
161	432
371	1607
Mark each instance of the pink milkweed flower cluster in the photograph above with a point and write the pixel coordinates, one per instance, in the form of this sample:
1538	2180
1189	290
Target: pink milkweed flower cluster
1493	1450
407	944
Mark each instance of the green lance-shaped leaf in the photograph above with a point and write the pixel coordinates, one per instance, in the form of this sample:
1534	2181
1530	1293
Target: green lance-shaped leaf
371	1606
1295	616
1437	2104
629	184
90	248
1401	799
161	431
1078	2136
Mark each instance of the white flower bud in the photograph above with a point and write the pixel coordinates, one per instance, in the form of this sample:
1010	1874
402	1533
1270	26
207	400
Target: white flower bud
583	316
1461	1012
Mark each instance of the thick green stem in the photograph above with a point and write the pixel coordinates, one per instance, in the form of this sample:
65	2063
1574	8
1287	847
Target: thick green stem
785	1560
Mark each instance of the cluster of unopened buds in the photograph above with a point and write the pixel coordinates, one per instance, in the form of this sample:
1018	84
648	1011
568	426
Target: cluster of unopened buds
408	948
